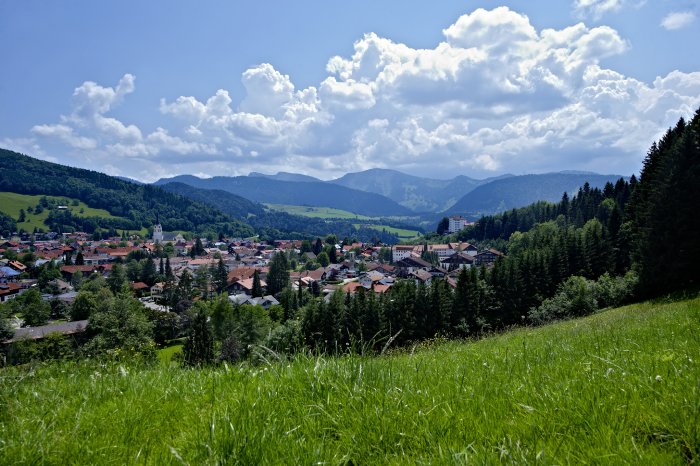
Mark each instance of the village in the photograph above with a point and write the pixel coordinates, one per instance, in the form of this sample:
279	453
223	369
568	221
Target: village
322	266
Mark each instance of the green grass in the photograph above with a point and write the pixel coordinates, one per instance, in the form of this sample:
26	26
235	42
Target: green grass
11	203
619	387
319	212
166	354
402	233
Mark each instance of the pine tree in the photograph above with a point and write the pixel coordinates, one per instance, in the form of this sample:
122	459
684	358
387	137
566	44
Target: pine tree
278	275
220	277
148	272
663	212
168	269
198	349
116	279
257	287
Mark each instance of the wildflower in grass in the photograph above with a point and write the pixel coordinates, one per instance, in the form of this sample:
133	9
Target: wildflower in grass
658	378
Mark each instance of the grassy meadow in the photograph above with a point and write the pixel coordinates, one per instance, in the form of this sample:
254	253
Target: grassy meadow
402	233
318	212
619	387
12	203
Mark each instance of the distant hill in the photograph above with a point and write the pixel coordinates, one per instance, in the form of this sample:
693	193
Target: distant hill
285	176
317	193
226	202
416	193
132	206
519	191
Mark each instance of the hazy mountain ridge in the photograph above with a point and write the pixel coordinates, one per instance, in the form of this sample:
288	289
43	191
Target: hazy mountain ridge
285	176
321	194
224	201
414	192
519	191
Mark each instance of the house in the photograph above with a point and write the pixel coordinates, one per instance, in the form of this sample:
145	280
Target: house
7	273
38	333
9	291
410	264
68	270
488	257
158	289
443	251
422	276
17	265
465	247
265	301
400	252
138	288
368	279
242	273
245	286
460	260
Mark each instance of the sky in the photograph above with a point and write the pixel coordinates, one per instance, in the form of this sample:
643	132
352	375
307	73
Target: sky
436	89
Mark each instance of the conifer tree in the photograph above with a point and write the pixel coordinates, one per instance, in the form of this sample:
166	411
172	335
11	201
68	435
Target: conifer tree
198	349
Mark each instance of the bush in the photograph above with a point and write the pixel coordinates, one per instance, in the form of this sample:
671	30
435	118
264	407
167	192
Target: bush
614	291
285	338
575	297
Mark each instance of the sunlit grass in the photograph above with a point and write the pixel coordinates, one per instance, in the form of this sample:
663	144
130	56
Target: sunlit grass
620	387
318	212
12	203
402	233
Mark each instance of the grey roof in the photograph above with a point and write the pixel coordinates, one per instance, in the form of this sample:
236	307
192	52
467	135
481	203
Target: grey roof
36	333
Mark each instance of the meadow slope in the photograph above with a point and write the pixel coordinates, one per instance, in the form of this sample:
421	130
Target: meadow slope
619	387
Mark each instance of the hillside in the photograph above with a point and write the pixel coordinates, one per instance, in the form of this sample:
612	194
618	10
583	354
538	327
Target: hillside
519	191
618	387
130	206
318	194
235	206
416	193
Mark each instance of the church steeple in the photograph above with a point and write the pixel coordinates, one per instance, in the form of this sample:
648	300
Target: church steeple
157	231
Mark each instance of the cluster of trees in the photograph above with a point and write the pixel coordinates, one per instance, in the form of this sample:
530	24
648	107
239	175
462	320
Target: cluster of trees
663	218
8	225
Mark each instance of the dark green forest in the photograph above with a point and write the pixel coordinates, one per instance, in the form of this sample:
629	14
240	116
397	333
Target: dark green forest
137	205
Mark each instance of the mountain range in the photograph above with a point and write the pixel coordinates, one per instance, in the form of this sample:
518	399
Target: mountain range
310	193
389	193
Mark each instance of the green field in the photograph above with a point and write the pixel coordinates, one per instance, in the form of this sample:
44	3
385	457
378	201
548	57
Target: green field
319	212
619	387
402	233
11	203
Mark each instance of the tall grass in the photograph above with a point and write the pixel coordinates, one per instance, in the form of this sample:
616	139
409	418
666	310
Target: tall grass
617	387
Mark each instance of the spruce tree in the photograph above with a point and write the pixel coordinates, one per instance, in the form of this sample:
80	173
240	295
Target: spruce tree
198	349
257	287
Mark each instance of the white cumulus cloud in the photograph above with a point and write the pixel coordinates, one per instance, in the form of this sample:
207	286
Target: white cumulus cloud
678	20
495	95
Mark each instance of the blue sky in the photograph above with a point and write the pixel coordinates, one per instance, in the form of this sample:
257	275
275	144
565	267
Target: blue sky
154	89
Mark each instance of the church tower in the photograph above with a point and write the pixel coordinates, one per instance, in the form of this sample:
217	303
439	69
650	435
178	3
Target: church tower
157	231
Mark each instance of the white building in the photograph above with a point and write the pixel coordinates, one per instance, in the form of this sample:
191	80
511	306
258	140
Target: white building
401	252
457	223
157	233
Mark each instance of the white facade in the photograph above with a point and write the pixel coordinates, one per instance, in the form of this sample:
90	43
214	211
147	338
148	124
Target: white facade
157	233
457	223
401	252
